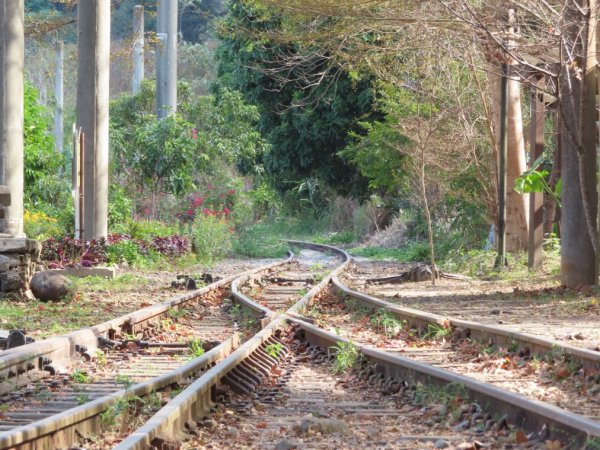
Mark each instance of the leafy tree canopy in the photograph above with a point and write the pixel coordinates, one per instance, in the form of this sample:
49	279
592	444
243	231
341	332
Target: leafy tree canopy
305	122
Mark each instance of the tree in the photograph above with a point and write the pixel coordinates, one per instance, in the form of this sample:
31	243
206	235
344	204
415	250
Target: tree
305	123
556	41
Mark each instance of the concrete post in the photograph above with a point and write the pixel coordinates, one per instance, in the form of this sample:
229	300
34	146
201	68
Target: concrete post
2	22
138	48
93	46
12	114
166	58
59	98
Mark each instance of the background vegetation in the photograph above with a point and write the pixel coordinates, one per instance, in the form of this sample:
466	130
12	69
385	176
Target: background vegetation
274	137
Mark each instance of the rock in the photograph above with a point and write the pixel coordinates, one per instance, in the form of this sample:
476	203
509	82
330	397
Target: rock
322	425
209	424
440	443
49	285
464	425
10	281
495	311
287	445
232	433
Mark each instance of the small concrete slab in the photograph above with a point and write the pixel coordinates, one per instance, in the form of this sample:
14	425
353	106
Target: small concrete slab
13	245
82	272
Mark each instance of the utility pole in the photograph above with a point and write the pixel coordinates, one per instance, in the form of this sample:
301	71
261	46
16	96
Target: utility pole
501	258
11	129
59	98
93	47
138	48
166	58
2	56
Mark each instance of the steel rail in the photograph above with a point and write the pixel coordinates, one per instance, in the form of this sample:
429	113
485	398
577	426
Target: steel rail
486	333
532	415
84	419
57	353
47	433
194	402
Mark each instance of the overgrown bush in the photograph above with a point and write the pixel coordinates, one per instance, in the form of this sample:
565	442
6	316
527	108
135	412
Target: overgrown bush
130	252
211	236
148	229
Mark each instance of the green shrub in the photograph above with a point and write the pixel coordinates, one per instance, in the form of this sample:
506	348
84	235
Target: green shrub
129	251
211	237
148	229
120	206
38	225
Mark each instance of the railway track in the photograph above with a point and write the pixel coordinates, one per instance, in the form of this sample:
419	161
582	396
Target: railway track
55	390
277	388
553	378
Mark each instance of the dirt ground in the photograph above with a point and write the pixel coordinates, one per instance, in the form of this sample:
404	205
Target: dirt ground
535	304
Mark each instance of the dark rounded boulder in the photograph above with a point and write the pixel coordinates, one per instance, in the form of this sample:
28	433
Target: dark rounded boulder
49	285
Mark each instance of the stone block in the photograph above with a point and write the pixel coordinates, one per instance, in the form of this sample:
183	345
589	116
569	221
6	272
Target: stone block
13	245
10	281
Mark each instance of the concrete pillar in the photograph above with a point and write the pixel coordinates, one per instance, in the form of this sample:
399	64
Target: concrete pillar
93	46
166	58
2	21
138	48
59	98
12	114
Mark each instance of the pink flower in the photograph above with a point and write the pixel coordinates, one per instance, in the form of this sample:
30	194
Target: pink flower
210	187
190	212
194	134
231	192
198	201
226	210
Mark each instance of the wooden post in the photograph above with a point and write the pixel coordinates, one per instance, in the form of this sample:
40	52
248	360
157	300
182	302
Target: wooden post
536	200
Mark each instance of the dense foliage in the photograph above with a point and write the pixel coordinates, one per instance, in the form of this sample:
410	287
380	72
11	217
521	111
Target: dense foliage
305	126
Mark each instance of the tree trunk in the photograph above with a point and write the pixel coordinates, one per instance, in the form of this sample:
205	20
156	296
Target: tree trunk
427	215
578	138
550	205
516	204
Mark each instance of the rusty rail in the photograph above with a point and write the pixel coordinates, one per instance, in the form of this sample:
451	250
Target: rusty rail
530	414
420	320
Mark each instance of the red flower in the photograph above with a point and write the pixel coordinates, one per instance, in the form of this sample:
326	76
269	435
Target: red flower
226	210
231	192
198	201
190	212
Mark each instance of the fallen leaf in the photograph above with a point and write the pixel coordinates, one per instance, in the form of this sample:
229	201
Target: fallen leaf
521	438
261	425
